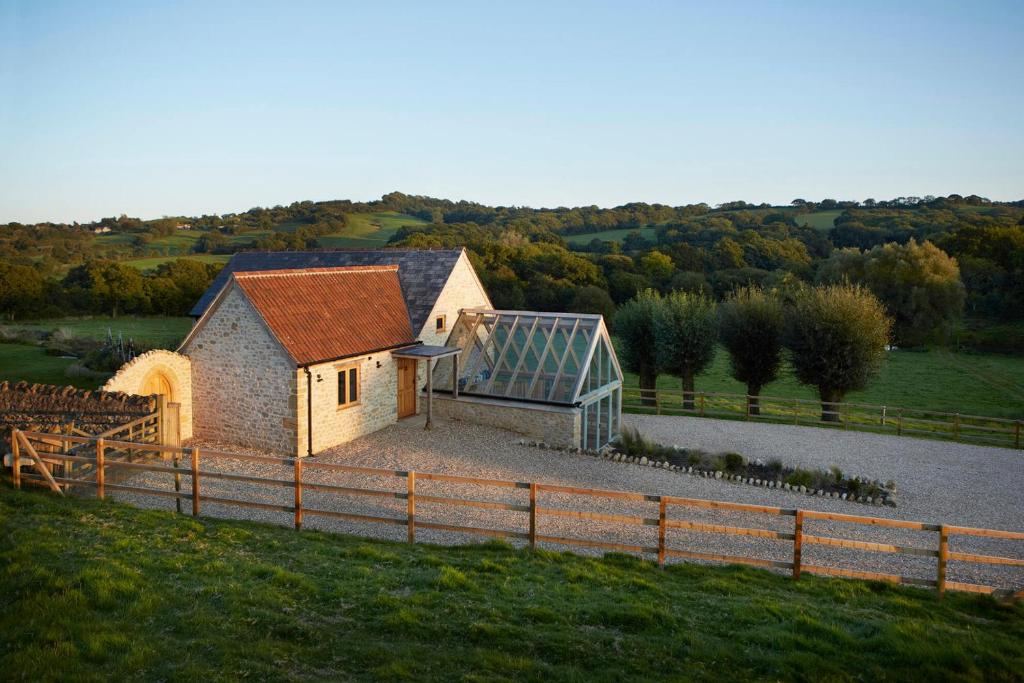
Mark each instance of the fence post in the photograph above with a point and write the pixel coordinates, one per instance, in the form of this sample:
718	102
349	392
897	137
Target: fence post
748	406
101	474
298	493
798	543
533	516
15	458
943	559
661	531
176	463
195	482
883	416
411	508
702	404
657	402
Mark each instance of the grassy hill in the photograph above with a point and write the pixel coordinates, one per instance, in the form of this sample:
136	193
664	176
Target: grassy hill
369	230
819	220
97	590
648	233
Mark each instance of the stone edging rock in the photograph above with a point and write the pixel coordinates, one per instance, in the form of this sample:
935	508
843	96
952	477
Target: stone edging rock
643	461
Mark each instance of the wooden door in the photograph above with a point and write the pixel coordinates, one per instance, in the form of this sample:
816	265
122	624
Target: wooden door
406	387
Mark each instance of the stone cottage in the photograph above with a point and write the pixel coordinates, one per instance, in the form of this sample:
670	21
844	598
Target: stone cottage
297	352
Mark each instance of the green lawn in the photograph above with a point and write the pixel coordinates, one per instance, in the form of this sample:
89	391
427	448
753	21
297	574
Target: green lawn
24	362
648	233
369	230
151	263
165	332
102	591
819	220
980	384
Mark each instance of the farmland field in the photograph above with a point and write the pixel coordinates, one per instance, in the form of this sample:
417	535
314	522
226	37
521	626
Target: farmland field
152	262
647	233
165	332
98	590
24	362
980	384
369	230
819	220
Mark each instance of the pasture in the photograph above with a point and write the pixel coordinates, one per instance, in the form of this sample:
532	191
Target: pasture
980	384
648	233
369	230
28	363
102	590
152	262
819	220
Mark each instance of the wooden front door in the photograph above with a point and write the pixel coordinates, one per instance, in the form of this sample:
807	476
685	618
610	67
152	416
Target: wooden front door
406	387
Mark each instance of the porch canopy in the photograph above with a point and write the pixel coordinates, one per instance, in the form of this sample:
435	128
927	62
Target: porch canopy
562	359
430	354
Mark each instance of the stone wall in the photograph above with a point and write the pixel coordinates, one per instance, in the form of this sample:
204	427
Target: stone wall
334	424
137	375
49	408
244	386
555	425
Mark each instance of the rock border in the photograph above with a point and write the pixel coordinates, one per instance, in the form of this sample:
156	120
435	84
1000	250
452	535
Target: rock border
608	453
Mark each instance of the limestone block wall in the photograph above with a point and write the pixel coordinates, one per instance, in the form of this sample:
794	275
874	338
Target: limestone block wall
244	385
555	425
137	377
463	290
334	424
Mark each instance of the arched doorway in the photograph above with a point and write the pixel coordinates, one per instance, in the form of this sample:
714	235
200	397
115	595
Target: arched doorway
157	382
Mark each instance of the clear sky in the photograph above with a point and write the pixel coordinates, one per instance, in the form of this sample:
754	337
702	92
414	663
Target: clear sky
152	108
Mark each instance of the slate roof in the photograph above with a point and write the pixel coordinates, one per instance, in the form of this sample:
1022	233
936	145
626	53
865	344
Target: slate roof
324	314
421	272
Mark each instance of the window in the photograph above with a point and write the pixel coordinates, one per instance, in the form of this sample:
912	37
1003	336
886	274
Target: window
348	386
439	323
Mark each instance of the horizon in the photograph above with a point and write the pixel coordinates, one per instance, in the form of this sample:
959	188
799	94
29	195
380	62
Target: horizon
193	109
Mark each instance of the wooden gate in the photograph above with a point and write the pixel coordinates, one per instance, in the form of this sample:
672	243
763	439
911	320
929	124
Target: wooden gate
406	387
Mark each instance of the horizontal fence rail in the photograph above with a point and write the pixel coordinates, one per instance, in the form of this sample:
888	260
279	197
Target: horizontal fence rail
964	427
187	463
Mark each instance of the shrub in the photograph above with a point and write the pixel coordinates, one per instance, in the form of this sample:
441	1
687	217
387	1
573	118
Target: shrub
800	477
774	466
734	462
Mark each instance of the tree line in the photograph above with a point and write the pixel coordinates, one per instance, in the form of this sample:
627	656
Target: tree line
834	336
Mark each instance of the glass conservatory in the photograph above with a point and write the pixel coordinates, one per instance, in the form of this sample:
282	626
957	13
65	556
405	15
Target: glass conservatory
553	359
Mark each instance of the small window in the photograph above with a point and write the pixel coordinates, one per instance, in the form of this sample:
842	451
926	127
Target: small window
348	386
440	324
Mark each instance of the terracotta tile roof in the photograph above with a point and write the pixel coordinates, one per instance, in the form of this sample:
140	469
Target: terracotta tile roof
422	273
322	314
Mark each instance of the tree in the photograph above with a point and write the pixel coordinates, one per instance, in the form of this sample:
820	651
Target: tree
687	331
635	327
918	283
593	299
836	337
103	286
751	323
21	290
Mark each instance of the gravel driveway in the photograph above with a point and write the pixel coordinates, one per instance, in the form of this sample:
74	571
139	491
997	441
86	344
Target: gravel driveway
938	482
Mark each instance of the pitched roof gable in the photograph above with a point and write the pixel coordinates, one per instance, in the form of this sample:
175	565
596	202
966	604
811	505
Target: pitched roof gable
323	314
422	273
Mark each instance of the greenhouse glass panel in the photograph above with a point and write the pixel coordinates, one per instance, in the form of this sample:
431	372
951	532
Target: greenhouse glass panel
531	356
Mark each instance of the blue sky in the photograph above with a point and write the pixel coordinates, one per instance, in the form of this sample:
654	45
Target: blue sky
157	108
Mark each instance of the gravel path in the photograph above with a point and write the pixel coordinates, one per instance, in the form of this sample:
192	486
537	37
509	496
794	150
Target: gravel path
938	482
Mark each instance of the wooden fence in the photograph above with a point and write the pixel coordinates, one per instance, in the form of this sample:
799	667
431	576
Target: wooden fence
979	429
186	462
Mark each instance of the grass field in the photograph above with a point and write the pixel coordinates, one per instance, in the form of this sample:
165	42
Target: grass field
24	362
102	591
164	332
369	230
151	263
648	233
979	384
819	220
